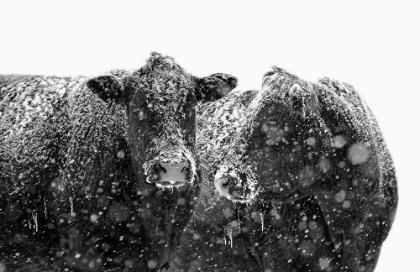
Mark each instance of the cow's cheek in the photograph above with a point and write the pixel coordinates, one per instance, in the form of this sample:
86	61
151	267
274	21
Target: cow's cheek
137	135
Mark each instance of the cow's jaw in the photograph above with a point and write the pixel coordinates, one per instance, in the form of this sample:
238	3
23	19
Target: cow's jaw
170	184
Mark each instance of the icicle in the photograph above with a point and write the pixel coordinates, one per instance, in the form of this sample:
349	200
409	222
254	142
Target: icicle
35	218
45	209
262	222
29	224
230	237
225	239
71	207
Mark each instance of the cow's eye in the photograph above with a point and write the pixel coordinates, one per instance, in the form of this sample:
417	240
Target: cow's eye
269	73
191	112
160	168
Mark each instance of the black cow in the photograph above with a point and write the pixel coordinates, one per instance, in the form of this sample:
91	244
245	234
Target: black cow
310	182
318	148
99	184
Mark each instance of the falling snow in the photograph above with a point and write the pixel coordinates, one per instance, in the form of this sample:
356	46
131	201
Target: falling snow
294	177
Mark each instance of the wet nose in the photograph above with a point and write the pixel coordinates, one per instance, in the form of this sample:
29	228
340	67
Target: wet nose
171	173
227	187
222	187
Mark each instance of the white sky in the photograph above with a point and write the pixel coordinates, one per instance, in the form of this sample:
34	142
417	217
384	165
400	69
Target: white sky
375	46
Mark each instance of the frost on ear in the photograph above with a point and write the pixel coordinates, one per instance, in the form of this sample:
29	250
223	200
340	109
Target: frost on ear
215	86
107	87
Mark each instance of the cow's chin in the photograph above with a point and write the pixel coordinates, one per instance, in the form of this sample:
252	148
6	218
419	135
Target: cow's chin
170	184
240	199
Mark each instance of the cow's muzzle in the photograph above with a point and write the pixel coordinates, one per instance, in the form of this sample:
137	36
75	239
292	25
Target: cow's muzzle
170	175
233	189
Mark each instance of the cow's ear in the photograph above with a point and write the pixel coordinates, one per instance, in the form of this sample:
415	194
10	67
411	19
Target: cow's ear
107	87
214	86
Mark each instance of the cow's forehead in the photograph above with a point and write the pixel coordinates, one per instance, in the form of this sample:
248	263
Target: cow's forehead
270	94
162	79
277	86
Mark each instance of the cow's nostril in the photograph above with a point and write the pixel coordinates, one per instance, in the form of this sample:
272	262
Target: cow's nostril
232	188
185	169
224	183
160	168
222	187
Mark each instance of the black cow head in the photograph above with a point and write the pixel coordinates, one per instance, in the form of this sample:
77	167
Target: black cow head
160	100
280	148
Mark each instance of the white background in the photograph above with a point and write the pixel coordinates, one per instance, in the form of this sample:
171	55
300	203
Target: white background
375	46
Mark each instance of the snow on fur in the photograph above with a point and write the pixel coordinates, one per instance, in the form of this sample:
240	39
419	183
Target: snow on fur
319	145
72	164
